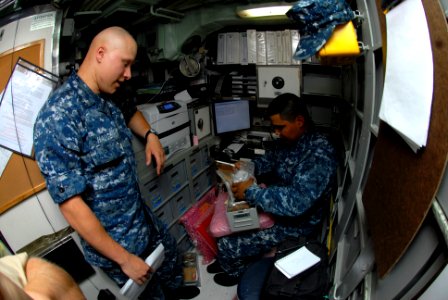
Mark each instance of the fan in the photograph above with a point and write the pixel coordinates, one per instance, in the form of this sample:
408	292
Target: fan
189	66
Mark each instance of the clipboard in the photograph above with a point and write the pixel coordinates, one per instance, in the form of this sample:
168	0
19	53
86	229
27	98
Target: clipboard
28	87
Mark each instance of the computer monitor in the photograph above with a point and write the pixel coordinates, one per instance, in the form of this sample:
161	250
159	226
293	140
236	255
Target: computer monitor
231	116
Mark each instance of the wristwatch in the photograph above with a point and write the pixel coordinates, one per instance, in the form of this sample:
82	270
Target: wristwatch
153	131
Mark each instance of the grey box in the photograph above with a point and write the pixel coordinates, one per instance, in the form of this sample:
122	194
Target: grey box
208	179
197	188
152	194
177	231
196	163
181	202
206	160
165	214
321	84
244	219
173	179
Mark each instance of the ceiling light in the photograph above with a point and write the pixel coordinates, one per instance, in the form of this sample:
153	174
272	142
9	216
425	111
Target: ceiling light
278	9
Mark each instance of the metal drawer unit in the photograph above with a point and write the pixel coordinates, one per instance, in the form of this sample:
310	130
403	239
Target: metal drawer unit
187	175
205	156
165	214
173	179
196	163
181	202
152	193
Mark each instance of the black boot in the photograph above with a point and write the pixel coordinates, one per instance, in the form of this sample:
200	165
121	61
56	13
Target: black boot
225	279
183	292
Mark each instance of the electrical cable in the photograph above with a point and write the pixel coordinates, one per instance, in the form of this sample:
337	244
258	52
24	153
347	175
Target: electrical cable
158	93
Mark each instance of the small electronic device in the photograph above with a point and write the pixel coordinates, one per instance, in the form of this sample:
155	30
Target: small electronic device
240	215
167	107
231	115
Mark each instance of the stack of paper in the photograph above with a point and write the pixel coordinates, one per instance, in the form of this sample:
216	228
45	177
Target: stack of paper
409	81
131	289
296	262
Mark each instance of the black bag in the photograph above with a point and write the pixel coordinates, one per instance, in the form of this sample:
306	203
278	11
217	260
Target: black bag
313	283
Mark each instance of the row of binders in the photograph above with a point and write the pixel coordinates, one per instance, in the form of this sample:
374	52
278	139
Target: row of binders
258	47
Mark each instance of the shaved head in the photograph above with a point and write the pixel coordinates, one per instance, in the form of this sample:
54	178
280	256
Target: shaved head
108	60
113	37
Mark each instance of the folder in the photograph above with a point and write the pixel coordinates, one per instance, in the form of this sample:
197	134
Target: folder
131	289
342	46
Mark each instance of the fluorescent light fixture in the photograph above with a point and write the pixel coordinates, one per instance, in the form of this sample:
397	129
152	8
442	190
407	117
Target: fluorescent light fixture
277	9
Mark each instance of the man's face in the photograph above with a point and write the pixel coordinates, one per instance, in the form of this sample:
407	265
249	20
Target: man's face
115	65
289	131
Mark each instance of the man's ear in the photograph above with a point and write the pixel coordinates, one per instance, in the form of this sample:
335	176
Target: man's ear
100	54
300	121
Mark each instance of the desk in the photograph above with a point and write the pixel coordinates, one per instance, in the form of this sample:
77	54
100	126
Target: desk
223	154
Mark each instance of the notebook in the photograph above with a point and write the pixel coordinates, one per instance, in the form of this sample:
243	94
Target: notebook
296	262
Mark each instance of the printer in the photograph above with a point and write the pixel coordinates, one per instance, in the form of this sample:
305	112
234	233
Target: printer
170	119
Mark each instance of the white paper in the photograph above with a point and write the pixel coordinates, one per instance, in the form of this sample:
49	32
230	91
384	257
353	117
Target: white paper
131	289
408	87
42	21
24	96
296	262
5	155
182	96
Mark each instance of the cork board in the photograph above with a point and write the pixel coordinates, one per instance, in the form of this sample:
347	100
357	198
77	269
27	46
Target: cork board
21	177
401	184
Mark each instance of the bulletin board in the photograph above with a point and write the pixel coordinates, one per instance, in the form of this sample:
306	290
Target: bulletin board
401	184
21	177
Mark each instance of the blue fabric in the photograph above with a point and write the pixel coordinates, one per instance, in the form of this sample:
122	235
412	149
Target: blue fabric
316	21
83	147
252	282
305	172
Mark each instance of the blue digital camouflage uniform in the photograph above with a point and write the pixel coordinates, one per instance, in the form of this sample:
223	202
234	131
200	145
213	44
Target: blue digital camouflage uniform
316	21
305	172
83	147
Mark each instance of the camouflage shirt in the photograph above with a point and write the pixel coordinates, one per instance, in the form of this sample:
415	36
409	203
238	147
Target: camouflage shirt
83	147
304	172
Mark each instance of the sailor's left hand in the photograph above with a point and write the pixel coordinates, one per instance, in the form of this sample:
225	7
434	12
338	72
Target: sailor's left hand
239	188
154	148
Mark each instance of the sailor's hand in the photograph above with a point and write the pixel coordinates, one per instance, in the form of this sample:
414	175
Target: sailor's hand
239	188
154	148
136	269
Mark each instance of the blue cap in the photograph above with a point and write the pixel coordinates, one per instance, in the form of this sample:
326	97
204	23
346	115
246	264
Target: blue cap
316	20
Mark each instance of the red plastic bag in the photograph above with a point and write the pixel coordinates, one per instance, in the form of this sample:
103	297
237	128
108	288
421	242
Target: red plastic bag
196	222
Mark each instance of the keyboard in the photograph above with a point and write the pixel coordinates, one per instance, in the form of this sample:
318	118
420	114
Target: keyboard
235	147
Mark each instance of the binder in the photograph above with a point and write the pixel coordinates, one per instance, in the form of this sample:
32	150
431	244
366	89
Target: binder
221	57
232	48
261	47
295	37
271	48
251	46
243	48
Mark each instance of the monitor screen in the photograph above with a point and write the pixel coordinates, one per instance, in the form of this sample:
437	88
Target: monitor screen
232	115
